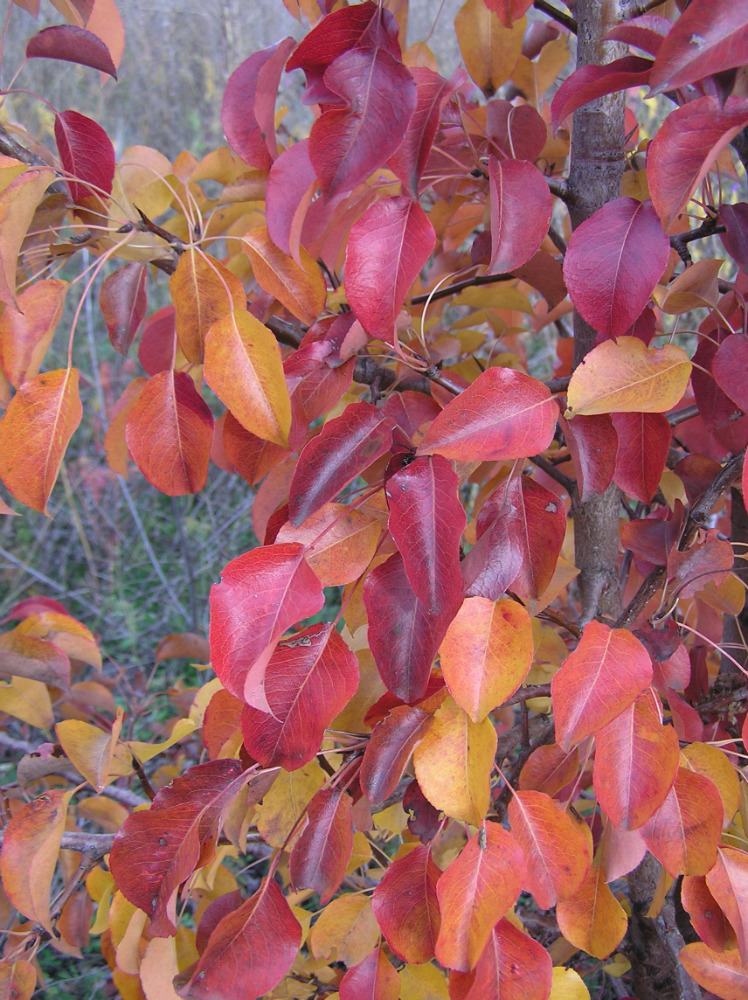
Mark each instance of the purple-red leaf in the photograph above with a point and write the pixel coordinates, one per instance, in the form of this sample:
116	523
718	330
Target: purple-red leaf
389	749
735	240
248	106
643	446
363	25
590	82
123	302
345	446
409	160
321	854
592	442
71	44
518	130
87	156
261	594
289	191
406	906
386	250
515	236
613	261
309	680
646	32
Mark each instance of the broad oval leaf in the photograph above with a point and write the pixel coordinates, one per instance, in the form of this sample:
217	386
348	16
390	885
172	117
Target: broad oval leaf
486	654
249	951
721	972
728	884
203	291
590	82
625	376
386	249
290	187
123	302
31	845
321	854
613	262
87	157
345	446
38	659
728	368
489	49
504	414
685	831
346	930
71	44
512	967
642	450
89	748
243	366
406	906
389	749
475	892
516	236
261	594
591	918
453	763
340	542
26	331
372	979
636	762
300	287
309	680
557	851
169	431
35	430
603	676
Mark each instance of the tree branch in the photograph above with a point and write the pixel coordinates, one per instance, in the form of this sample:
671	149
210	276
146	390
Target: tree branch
444	293
557	15
680	241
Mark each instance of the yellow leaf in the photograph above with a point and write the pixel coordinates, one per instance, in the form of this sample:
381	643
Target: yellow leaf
28	701
694	288
70	635
346	930
422	982
625	376
243	366
89	748
489	50
203	291
284	803
715	765
453	763
592	918
301	290
568	985
18	202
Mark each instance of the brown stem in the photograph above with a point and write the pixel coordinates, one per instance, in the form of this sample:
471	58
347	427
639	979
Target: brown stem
558	15
444	293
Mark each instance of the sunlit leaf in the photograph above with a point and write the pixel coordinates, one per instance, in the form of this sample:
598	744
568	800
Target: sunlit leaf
684	832
26	332
489	49
299	287
592	918
203	291
340	542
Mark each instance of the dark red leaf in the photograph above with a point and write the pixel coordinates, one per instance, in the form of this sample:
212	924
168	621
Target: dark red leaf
518	130
613	261
345	446
735	220
261	594
706	39
289	192
389	749
646	32
592	442
347	144
71	44
309	680
717	406
213	915
423	818
87	155
409	410
372	979
364	25
729	365
252	457
316	380
643	446
515	236
249	952
158	341
123	302
427	520
321	854
248	104
403	636
409	160
406	906
589	82
386	250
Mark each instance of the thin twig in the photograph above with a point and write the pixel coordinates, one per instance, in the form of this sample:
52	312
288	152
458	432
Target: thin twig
444	293
555	473
680	241
566	20
32	572
92	844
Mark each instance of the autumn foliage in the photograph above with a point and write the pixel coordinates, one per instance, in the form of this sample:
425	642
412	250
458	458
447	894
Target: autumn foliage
454	781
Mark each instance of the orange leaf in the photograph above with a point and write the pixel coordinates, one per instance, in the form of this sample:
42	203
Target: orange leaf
557	851
31	845
340	542
490	50
685	831
625	376
301	290
115	445
18	202
592	918
69	635
17	980
203	291
474	894
453	763
596	682
243	366
26	656
187	645
26	332
722	973
169	432
728	883
486	654
35	431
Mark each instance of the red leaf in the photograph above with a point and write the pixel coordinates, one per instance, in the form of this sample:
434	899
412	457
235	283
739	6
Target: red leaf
685	831
156	850
723	974
729	365
503	415
347	145
643	446
512	967
71	44
34	606
310	678
386	250
592	443
613	261
316	379
636	761
518	130
515	236
709	560
646	32
289	192
509	11
252	457
685	147
590	82
321	854
248	107
363	25
169	431
389	749
372	979
728	883
409	159
735	220
707	918
404	637
26	331
123	303
87	155
706	39
406	907
158	341
475	892
345	446
603	676
261	594
249	952
427	520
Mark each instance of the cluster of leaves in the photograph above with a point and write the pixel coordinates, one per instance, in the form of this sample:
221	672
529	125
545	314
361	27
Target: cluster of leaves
467	743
